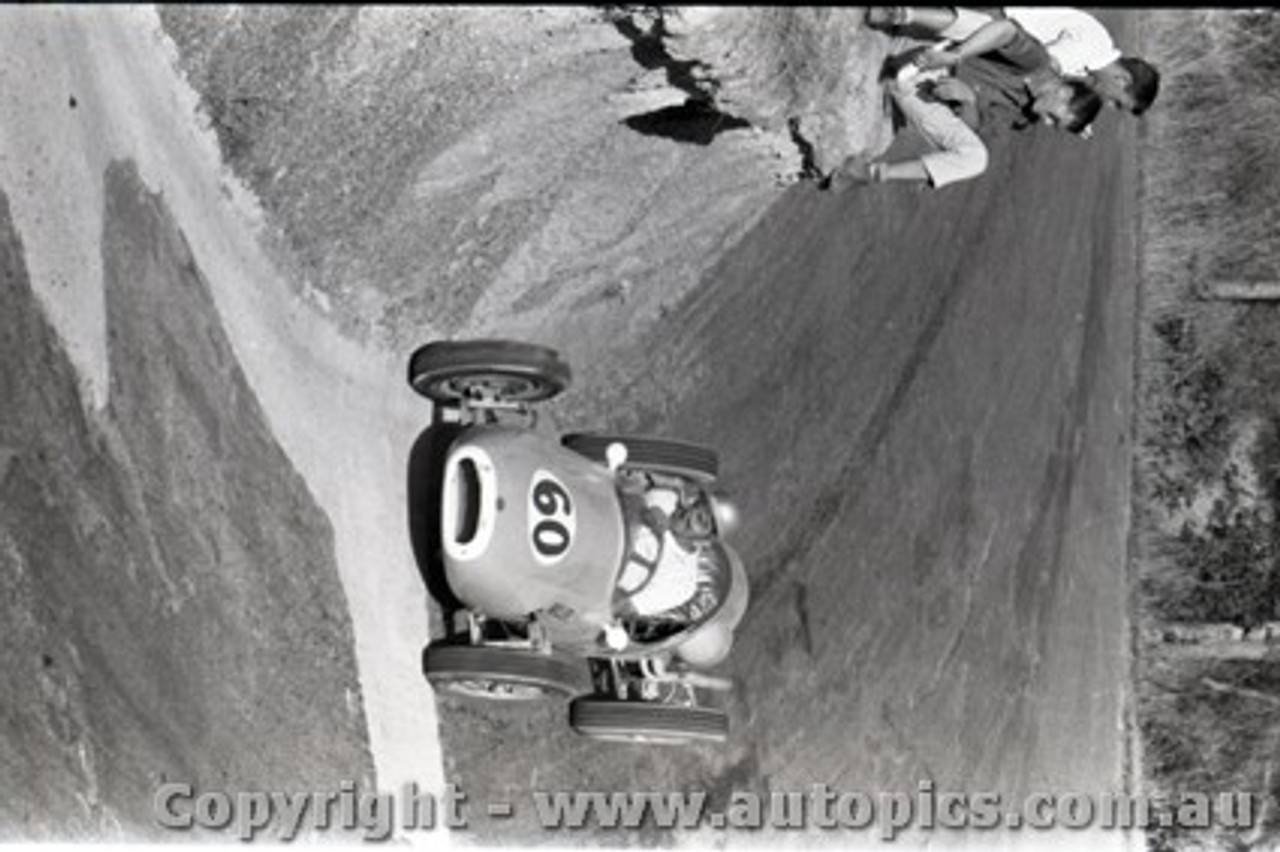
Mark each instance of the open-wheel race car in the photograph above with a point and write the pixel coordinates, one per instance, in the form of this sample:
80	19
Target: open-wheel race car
590	566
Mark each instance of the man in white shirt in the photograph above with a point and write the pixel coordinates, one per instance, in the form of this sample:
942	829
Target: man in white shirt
1077	42
957	111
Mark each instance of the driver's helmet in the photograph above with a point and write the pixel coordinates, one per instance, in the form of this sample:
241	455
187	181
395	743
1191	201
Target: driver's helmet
707	647
728	519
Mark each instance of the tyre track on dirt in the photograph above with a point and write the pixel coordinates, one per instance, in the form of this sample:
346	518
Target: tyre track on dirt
916	398
851	479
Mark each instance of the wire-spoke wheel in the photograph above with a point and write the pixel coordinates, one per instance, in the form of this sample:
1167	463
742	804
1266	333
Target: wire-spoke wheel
504	371
503	674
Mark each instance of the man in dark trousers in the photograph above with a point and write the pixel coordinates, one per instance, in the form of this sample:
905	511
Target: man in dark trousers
954	105
1080	47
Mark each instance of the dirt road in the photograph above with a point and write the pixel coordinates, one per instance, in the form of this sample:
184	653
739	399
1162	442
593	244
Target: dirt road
922	402
943	415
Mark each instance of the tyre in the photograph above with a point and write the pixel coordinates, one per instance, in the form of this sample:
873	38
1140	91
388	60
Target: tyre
503	674
656	454
499	370
642	722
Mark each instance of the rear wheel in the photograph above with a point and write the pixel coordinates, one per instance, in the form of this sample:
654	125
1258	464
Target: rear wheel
503	674
660	455
643	722
495	370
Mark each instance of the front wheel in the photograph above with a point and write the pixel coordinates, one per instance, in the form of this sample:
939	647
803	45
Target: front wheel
643	722
487	370
681	458
503	674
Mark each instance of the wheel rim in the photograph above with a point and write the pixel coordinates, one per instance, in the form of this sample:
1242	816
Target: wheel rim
501	674
492	386
495	689
501	370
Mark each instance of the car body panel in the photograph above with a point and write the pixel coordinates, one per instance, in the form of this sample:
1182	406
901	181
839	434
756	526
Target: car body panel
529	526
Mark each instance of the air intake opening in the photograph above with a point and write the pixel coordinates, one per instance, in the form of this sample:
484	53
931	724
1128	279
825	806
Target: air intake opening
467	498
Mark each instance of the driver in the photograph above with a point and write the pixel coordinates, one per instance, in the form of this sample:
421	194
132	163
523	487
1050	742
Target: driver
707	647
671	573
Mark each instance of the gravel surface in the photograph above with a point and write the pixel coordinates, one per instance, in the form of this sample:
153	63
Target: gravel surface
920	400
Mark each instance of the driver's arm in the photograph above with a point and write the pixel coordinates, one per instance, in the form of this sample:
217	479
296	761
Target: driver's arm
987	38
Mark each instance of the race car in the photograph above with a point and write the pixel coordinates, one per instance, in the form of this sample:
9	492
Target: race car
589	566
